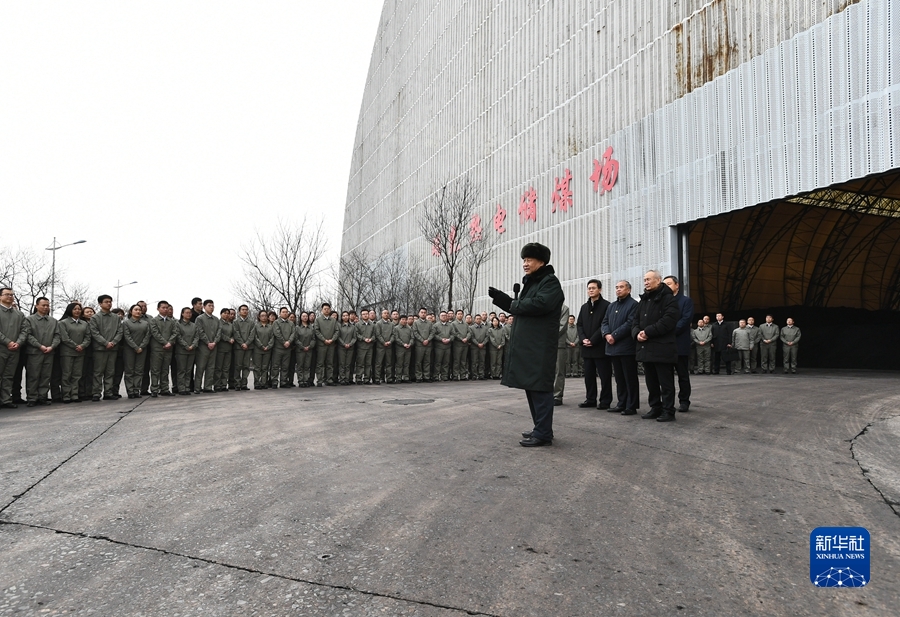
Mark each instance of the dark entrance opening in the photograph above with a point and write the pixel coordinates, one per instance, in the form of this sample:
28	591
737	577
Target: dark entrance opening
829	258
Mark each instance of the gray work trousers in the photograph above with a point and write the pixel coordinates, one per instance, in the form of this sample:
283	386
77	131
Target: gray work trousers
38	367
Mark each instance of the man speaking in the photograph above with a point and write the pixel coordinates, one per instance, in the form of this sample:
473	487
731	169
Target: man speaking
531	351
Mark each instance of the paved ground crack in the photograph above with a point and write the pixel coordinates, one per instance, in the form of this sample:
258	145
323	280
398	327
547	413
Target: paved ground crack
213	562
891	504
76	453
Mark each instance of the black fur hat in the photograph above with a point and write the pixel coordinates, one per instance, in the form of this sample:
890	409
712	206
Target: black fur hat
536	251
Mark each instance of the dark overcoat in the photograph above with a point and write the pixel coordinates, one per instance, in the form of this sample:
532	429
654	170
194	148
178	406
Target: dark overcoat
617	322
657	314
588	323
683	328
531	351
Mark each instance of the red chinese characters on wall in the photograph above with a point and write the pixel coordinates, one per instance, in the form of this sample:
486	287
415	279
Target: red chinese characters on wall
475	228
606	172
528	206
562	194
499	218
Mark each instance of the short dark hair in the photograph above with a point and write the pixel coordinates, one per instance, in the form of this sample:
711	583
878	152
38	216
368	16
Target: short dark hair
100	299
596	282
224	310
160	303
117	311
2	289
673	277
284	308
196	300
422	308
324	304
38	300
244	306
205	302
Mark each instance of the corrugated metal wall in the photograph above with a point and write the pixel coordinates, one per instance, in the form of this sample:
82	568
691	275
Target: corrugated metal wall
710	106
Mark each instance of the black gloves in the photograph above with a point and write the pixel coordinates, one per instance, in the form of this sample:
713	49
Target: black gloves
500	299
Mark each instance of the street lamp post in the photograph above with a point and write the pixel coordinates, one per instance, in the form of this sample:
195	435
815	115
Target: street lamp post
119	286
55	247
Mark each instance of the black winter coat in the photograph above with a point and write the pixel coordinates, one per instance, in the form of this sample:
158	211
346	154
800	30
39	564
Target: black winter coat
618	323
588	324
657	314
683	328
531	351
721	335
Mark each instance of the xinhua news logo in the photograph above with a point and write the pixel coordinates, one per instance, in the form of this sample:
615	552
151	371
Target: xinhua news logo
839	557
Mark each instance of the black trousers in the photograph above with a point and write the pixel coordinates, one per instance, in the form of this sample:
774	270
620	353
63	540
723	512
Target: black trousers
628	388
594	368
684	380
541	406
660	380
717	362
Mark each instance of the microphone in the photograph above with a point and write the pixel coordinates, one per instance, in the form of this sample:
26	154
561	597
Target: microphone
516	289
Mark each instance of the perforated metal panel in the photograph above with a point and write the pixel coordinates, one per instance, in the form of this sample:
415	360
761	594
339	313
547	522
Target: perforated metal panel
710	106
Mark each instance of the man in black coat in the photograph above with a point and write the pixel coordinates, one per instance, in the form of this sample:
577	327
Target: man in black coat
682	342
654	329
620	348
721	342
593	348
531	350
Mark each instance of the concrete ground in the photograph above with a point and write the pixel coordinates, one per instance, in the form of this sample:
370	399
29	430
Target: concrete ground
340	501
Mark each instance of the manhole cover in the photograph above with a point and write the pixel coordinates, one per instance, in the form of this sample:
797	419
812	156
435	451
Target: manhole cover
409	401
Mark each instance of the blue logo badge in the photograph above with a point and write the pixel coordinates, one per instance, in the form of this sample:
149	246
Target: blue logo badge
839	557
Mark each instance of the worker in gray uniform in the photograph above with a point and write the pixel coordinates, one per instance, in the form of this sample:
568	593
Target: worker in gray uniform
479	337
263	341
365	342
702	338
243	332
74	339
572	349
444	334
740	341
326	327
384	361
305	341
12	339
283	328
346	349
496	345
423	334
187	336
210	331
460	347
42	336
136	339
790	341
403	341
224	350
106	334
562	356
755	337
769	335
163	339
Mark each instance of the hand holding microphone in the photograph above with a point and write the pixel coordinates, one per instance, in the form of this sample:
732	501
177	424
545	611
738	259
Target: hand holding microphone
500	299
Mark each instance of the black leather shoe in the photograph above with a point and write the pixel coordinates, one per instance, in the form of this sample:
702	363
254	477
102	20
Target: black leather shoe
616	409
653	414
532	442
586	404
557	402
527	434
666	417
9	406
629	412
153	395
603	407
684	408
30	404
95	398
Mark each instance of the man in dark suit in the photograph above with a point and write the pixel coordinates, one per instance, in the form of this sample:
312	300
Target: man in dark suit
682	342
721	341
593	348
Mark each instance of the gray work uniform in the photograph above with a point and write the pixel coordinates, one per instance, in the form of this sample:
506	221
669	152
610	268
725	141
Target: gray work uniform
740	342
443	352
422	333
162	333
41	330
562	354
479	336
283	329
496	344
326	329
73	334
224	351
187	335
769	335
346	348
384	357
364	330
305	341
264	339
210	330
105	328
702	337
401	337
755	337
574	353
244	335
790	334
12	330
460	350
136	334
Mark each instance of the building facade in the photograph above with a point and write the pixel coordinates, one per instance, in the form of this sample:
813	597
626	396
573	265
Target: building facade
750	147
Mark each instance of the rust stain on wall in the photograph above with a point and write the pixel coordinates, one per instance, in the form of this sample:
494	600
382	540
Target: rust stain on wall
706	47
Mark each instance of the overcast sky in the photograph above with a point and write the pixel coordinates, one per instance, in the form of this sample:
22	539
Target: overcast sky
165	133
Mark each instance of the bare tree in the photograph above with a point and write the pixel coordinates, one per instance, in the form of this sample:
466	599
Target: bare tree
355	280
445	221
73	291
476	253
28	274
283	267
